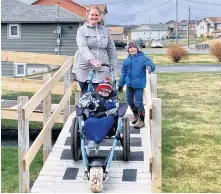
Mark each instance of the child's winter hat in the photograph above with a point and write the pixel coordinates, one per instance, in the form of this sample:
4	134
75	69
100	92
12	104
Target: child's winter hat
132	44
105	85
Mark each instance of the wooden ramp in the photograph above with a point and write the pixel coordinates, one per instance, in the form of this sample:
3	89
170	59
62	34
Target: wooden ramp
60	174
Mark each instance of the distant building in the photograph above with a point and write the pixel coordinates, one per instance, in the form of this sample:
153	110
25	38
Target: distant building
74	7
117	33
149	32
209	27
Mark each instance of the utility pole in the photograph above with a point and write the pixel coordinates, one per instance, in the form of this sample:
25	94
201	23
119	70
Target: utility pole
176	22
188	30
149	29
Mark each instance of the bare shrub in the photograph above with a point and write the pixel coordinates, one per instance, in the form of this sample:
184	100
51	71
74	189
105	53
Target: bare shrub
215	50
177	53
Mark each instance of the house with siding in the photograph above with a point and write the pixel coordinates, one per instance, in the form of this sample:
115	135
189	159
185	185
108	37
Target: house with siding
117	33
209	27
39	29
149	32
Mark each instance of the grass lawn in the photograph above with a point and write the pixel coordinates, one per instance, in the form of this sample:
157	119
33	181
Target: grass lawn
9	169
163	59
191	136
183	41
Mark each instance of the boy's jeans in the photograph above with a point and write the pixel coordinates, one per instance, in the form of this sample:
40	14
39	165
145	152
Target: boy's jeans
135	98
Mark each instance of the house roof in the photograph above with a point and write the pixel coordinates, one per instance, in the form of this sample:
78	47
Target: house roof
155	27
215	19
20	12
102	7
116	30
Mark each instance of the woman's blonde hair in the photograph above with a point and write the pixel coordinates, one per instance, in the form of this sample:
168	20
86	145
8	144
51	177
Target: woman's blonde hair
95	7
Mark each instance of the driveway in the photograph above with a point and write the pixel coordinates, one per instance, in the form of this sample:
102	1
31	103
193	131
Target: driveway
188	68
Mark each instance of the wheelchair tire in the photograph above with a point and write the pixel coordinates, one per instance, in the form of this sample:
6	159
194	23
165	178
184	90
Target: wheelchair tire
126	139
75	141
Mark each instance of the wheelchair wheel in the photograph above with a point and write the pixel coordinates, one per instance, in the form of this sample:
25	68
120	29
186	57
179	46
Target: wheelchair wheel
96	179
126	139
75	141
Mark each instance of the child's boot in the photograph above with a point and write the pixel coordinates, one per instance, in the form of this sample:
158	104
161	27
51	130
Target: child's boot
140	123
136	115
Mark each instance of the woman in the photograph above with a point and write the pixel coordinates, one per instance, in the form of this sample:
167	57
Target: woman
95	47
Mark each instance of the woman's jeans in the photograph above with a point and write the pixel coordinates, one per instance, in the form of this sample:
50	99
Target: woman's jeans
84	86
134	98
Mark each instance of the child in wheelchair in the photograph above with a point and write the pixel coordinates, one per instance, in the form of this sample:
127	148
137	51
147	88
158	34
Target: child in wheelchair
100	111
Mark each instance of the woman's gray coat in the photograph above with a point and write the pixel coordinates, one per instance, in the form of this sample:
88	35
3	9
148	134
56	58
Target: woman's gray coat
94	43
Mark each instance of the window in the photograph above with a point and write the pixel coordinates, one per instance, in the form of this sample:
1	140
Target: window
20	69
218	26
201	26
14	31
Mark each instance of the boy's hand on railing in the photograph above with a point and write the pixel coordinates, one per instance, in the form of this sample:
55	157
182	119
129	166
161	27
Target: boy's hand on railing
149	69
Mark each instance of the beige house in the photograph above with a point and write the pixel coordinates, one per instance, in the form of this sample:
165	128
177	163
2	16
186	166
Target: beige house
117	33
209	27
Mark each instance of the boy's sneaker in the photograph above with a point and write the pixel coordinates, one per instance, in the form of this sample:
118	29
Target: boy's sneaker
135	119
139	124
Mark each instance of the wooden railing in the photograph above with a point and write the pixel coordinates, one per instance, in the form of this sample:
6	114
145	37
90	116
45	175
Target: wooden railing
51	84
26	107
153	121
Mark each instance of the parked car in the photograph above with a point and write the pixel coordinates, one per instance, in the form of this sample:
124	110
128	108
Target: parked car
174	37
141	43
120	44
157	44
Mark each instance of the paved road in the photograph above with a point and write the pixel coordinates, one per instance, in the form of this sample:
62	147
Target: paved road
188	68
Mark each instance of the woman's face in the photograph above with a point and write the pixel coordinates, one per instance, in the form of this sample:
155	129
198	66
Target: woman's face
94	17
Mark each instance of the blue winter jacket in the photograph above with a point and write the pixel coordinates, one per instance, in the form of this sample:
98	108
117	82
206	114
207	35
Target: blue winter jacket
133	70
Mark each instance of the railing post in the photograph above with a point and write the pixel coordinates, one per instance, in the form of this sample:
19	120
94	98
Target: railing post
153	85
23	146
77	94
156	147
66	87
47	144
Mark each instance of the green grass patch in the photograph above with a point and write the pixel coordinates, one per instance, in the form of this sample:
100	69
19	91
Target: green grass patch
9	169
191	136
13	95
163	59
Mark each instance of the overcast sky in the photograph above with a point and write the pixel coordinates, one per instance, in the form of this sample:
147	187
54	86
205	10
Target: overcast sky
139	11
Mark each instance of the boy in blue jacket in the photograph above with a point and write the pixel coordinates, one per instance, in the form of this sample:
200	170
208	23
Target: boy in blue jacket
133	74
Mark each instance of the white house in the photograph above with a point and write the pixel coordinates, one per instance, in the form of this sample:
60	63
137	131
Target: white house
209	27
149	32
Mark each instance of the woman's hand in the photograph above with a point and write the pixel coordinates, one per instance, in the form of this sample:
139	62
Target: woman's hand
95	63
98	65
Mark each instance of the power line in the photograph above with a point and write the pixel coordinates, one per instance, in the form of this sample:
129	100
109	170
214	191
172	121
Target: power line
140	12
118	2
203	2
196	7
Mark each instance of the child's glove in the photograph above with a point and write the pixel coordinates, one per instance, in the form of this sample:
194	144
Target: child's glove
101	114
120	89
